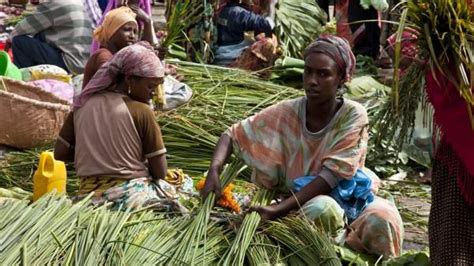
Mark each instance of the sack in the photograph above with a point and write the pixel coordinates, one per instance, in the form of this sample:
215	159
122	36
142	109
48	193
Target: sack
61	89
176	94
40	72
30	116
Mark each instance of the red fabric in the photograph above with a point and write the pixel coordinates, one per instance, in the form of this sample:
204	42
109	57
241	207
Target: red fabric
342	18
409	42
451	115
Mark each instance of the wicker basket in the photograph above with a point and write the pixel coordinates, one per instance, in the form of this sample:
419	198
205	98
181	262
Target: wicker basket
29	117
17	2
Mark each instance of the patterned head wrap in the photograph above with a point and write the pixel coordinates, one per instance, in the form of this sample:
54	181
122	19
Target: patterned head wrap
134	60
408	44
113	4
338	49
113	21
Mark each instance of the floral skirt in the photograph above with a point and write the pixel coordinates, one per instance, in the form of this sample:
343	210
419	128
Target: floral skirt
130	193
378	229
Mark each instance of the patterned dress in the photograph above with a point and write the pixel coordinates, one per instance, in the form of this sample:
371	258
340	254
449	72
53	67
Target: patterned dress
277	144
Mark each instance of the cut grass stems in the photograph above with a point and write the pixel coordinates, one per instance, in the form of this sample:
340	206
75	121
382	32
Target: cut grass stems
235	255
191	239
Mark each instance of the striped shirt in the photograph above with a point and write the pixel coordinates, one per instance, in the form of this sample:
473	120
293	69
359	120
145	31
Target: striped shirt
93	11
66	26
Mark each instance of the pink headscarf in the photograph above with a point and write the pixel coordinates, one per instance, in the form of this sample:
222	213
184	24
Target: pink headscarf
409	42
135	60
338	49
113	4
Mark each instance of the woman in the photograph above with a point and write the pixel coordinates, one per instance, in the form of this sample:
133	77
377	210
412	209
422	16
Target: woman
315	146
234	18
118	30
112	132
364	36
143	10
451	229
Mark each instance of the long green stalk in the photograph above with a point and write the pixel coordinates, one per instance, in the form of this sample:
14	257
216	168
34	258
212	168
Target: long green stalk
192	237
235	255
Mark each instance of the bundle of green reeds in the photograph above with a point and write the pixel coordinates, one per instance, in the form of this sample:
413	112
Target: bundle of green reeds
263	251
303	242
236	253
54	231
180	15
222	96
193	238
446	41
298	23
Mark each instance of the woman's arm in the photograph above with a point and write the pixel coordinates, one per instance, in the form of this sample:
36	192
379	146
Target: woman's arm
158	166
221	155
64	148
317	187
148	30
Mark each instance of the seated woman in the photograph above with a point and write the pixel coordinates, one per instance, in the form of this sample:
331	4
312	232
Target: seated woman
118	30
313	149
233	20
142	8
112	136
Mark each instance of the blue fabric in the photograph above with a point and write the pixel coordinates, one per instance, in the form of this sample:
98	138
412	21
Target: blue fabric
103	4
352	195
28	51
227	54
234	20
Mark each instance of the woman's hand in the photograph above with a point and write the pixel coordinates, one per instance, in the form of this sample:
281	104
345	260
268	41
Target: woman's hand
161	52
267	213
172	70
141	14
213	184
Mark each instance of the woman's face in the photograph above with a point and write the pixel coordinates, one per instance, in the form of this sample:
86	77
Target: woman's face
321	78
143	89
125	36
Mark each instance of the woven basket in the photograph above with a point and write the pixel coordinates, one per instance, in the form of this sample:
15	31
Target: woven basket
17	2
29	117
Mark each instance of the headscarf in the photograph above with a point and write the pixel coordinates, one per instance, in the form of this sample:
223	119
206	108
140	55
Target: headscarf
135	60
338	49
113	4
113	21
408	44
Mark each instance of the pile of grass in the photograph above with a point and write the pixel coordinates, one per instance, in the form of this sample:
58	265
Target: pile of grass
54	231
222	97
446	42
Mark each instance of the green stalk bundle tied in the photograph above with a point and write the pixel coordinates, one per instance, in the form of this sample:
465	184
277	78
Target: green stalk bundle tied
304	243
190	244
235	255
446	40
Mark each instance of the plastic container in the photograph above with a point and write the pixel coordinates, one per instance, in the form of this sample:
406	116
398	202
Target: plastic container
50	175
7	68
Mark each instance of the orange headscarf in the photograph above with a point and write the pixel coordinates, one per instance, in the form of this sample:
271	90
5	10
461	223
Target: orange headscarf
115	19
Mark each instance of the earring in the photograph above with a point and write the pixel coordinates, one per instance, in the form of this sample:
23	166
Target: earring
129	89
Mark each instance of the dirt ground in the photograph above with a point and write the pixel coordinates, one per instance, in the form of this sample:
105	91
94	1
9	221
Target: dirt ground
413	200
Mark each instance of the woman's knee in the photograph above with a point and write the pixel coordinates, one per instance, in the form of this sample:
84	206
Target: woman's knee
325	212
20	41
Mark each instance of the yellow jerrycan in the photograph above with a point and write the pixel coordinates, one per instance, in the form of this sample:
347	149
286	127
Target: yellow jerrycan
51	174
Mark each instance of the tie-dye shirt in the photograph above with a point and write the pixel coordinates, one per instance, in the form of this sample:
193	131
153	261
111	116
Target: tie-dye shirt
277	144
